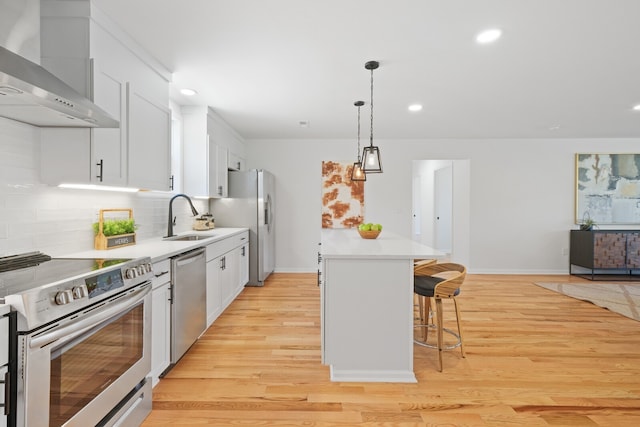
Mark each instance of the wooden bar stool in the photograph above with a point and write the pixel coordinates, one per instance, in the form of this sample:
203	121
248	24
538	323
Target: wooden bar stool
438	281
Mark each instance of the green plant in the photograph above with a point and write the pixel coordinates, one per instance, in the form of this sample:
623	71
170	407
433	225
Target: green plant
114	227
587	223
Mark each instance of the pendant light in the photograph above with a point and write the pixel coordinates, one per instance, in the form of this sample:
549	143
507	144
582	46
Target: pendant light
371	155
357	174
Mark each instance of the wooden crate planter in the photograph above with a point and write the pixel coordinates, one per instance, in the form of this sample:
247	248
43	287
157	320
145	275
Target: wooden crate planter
111	242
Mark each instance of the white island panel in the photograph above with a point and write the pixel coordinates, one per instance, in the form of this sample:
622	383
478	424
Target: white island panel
367	305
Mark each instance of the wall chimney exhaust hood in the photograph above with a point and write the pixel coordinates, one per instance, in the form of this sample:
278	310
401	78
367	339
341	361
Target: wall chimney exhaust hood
31	94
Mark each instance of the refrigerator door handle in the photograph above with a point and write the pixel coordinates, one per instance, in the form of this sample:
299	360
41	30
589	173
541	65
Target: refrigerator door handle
267	213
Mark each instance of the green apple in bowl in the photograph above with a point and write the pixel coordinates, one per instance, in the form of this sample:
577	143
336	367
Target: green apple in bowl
365	227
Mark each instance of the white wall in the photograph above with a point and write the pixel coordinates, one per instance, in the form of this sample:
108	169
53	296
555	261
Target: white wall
57	221
521	205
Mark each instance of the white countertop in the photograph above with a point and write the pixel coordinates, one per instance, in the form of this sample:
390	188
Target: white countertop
159	248
347	243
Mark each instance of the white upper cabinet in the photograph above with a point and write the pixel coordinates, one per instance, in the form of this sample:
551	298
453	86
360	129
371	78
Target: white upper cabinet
221	178
235	162
206	145
195	148
149	125
84	48
109	146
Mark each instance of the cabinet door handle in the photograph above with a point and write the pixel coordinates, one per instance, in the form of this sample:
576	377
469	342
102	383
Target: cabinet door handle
171	183
238	165
243	252
100	165
7	392
220	190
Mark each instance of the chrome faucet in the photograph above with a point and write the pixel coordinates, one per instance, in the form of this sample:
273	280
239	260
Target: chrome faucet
171	218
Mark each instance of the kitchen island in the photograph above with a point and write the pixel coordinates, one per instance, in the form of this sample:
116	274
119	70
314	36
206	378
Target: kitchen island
367	305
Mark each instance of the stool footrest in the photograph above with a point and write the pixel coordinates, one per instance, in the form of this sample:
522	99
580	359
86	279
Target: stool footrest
449	331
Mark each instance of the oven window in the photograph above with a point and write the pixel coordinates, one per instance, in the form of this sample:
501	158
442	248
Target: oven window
81	371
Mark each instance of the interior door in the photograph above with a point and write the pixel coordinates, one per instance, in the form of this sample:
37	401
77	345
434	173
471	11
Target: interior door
443	206
416	214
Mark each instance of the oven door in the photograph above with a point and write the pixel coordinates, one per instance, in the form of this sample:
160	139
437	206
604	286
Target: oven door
82	369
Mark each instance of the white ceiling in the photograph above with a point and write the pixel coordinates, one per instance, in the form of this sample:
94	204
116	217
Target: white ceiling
562	69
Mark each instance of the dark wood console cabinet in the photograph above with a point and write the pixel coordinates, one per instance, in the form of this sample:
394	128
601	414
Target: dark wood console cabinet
605	252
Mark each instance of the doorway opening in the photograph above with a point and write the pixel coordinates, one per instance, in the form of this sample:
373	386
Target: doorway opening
441	206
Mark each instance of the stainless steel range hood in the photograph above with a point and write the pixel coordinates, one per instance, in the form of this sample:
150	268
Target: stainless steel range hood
31	94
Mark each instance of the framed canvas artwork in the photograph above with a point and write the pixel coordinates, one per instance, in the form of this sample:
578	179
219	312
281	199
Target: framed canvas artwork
342	199
608	188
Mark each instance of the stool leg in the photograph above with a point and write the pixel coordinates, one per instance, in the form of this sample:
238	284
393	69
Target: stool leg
421	314
425	320
440	331
455	303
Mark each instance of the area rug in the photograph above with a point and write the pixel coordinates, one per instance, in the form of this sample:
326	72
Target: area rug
619	298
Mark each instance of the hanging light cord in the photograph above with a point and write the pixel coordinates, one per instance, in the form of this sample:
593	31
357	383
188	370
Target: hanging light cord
358	152
371	105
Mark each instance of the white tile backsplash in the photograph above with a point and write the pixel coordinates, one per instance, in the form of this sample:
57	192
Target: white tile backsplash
56	221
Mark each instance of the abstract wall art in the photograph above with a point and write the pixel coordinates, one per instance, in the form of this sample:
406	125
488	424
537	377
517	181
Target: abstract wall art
608	188
342	199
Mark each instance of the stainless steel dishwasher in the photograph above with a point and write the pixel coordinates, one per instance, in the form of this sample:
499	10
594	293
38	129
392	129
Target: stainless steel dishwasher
188	301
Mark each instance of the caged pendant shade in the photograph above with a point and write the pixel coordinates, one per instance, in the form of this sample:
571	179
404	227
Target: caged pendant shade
371	155
357	174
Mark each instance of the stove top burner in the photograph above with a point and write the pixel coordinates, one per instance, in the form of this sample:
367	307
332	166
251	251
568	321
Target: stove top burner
19	273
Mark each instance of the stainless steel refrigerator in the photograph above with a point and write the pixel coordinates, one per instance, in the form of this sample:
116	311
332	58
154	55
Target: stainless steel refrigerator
251	204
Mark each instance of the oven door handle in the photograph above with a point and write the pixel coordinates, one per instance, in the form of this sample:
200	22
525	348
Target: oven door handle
68	332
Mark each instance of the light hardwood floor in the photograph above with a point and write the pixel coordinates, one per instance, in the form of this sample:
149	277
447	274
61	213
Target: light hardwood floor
534	358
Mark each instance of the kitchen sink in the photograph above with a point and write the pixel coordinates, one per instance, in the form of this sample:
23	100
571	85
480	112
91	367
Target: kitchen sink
189	237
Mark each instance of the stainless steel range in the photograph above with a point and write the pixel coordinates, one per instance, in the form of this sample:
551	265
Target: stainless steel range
83	339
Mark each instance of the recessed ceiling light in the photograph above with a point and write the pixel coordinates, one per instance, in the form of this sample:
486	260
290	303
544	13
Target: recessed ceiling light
188	92
636	107
303	123
415	107
489	36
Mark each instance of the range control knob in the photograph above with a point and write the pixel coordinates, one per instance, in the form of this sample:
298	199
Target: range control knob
131	273
148	267
64	297
141	270
80	292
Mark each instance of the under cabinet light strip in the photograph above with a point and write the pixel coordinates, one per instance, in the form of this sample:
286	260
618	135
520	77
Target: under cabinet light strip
98	187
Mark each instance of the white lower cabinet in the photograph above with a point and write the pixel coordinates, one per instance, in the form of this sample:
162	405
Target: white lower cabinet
226	269
160	319
214	288
244	265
